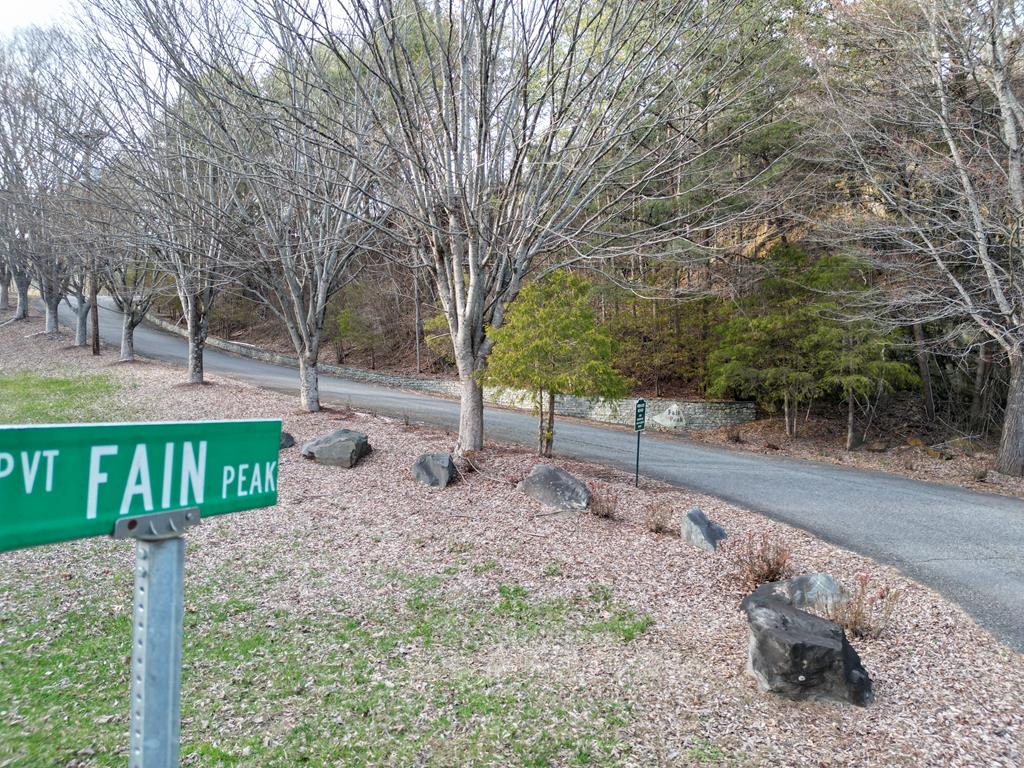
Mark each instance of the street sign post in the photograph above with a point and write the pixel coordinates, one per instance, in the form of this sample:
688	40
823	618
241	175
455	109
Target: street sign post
150	482
639	423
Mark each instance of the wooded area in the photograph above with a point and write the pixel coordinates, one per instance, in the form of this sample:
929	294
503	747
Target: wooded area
799	203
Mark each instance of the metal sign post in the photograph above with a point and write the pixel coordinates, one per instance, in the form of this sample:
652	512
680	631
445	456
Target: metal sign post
155	697
639	422
145	482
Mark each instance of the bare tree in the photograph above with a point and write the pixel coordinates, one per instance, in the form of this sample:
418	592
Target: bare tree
519	131
283	198
5	284
162	139
925	96
43	114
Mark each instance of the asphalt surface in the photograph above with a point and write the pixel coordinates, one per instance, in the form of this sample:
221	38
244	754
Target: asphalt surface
969	546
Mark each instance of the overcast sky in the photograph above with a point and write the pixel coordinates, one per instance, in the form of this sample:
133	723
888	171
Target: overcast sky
19	13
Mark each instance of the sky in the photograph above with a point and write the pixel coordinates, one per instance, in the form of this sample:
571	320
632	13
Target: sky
19	13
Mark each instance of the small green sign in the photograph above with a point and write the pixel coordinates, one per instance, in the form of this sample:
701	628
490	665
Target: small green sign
640	417
72	481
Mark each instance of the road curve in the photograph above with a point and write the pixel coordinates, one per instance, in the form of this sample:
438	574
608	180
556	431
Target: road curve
969	546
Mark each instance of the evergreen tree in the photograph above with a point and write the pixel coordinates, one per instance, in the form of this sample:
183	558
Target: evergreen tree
792	341
550	345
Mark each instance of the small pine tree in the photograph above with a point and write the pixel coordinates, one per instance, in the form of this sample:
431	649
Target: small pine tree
551	344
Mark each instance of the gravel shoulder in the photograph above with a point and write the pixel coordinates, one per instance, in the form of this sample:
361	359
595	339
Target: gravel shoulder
958	462
947	692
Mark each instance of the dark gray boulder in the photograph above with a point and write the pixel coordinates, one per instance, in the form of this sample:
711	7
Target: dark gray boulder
554	487
800	656
811	590
434	469
287	440
696	529
340	448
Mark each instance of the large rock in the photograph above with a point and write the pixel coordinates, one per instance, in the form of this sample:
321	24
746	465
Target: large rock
812	590
340	448
287	440
695	528
800	656
434	469
671	418
556	488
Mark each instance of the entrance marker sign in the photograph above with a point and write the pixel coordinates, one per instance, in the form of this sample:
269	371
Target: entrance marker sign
150	482
71	481
639	423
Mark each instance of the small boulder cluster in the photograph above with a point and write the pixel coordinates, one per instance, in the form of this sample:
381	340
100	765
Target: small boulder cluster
791	652
797	654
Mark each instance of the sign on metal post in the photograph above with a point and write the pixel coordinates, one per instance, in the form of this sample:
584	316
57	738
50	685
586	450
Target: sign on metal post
150	482
639	423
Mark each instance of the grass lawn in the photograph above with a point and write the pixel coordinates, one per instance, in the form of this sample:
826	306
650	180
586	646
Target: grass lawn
402	684
28	398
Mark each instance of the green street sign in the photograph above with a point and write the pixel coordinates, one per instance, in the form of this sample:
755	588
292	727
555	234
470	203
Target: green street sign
65	482
640	416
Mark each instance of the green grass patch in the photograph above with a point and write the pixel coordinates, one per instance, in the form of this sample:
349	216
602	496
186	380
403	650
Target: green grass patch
409	682
28	398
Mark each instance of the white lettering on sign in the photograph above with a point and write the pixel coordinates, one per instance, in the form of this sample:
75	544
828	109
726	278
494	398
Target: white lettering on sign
193	472
96	476
50	455
229	477
28	471
138	485
255	486
243	469
165	497
138	482
30	467
237	480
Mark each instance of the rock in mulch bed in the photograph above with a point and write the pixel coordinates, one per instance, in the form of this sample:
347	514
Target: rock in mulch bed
434	469
340	448
287	440
554	487
811	590
696	529
801	656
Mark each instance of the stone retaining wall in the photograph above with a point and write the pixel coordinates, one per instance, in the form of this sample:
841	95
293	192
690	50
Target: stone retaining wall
697	414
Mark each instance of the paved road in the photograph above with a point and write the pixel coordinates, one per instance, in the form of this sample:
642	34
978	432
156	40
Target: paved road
969	546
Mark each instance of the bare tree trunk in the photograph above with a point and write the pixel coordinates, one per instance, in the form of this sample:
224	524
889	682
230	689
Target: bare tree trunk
851	429
52	320
787	408
978	418
924	370
81	321
540	423
21	311
94	309
197	329
195	360
419	317
549	434
5	293
1010	460
127	337
309	384
471	415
